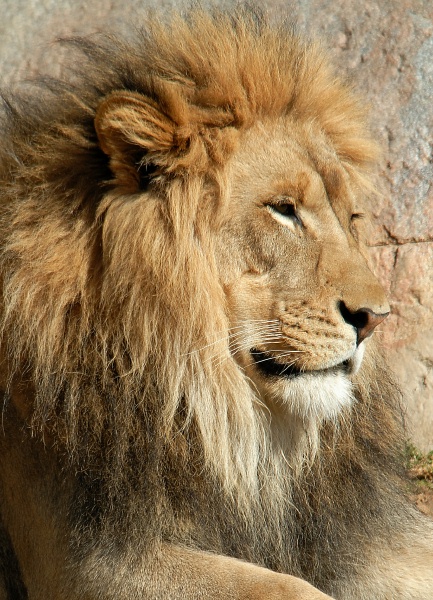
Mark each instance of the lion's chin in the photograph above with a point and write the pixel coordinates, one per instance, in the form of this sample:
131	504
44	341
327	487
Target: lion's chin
320	394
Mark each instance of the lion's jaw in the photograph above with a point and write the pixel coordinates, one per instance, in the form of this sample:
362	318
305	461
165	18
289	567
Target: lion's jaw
317	394
314	395
292	269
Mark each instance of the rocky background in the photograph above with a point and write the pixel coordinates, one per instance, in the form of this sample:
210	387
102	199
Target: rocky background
387	49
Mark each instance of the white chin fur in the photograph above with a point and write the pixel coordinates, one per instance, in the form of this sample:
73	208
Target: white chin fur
317	395
320	395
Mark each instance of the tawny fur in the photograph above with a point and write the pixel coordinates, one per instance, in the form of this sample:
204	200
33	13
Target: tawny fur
113	310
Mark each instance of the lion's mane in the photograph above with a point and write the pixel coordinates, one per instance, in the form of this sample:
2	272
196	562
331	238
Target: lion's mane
112	311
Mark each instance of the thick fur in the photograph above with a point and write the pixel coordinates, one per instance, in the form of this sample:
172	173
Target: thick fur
125	411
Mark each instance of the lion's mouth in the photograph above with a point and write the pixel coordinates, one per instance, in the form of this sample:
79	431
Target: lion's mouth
270	367
267	364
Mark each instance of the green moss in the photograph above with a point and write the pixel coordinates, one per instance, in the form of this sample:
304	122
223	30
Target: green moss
419	466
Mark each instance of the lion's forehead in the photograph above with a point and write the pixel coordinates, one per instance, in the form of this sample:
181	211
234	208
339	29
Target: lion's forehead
295	161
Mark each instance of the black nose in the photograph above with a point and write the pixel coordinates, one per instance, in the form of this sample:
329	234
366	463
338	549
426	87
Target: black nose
364	320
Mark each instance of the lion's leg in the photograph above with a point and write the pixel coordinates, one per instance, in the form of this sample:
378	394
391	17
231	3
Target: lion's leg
172	573
36	503
176	573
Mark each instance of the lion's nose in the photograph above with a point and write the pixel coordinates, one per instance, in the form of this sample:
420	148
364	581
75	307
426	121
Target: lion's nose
364	320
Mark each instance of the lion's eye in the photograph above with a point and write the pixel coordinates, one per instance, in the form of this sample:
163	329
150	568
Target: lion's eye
287	210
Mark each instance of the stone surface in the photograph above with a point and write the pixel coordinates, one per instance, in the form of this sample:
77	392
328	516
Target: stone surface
387	49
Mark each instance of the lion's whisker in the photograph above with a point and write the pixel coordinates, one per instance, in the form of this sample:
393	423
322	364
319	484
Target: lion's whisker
255	362
235	347
240	330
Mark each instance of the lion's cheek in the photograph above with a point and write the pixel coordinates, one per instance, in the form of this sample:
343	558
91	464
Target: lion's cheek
249	297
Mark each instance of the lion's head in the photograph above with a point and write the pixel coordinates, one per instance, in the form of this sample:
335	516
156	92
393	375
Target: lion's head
180	249
300	297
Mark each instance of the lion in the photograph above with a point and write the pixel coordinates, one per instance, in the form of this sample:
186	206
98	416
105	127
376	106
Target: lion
194	405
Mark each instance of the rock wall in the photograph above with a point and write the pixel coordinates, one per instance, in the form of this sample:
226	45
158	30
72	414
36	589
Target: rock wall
387	49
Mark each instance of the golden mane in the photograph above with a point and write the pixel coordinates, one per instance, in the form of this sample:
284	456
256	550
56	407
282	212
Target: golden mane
112	308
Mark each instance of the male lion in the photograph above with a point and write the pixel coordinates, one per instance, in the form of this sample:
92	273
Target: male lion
186	304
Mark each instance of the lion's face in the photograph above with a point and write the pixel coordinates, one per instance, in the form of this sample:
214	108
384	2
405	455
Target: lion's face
286	166
300	296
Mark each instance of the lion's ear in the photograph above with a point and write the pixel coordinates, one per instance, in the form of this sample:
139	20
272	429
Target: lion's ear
135	134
